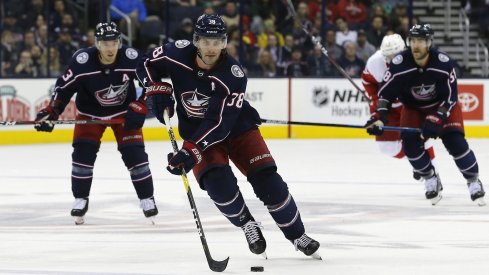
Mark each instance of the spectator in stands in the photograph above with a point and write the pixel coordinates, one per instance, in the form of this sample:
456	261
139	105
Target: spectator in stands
135	9
296	67
214	3
350	62
319	64
35	8
265	66
275	49
184	3
378	10
88	39
36	54
186	30
354	12
334	51
54	63
157	7
364	48
25	67
10	23
66	47
302	23
377	30
398	13
343	32
8	55
42	37
29	41
269	29
57	16
287	50
260	10
68	23
209	8
231	15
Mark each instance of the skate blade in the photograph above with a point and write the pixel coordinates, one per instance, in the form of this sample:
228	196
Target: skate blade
480	202
264	255
316	256
79	220
436	199
153	222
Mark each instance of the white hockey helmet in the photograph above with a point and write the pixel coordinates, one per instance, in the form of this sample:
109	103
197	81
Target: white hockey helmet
392	44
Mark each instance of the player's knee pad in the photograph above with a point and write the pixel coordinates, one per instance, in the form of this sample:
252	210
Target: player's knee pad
455	143
222	187
136	161
269	186
83	159
412	144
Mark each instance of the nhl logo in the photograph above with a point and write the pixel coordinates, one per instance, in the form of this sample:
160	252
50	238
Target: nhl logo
236	70
182	43
82	58
131	53
320	96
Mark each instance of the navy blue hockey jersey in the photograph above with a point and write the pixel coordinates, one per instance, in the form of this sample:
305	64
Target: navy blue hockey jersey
103	91
421	87
210	104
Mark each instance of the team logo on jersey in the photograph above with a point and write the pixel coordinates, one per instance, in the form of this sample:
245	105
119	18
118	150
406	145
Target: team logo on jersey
195	103
82	58
443	57
424	92
236	70
112	95
397	59
182	43
131	53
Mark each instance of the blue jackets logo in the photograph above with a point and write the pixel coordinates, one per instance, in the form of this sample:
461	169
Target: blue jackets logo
113	95
195	103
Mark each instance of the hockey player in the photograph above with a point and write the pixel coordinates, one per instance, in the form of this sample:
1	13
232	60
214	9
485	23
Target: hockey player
425	82
218	125
390	142
103	78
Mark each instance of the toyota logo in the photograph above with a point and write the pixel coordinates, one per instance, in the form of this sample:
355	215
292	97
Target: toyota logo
468	101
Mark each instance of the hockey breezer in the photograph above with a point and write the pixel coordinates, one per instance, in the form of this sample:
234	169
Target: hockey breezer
33	122
290	8
217	266
385	128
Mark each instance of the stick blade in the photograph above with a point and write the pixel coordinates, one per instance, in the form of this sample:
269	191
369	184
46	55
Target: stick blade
218	266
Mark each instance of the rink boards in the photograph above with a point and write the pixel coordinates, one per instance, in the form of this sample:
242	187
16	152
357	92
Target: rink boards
305	100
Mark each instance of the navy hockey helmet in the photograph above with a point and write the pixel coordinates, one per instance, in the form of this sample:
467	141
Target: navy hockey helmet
210	25
107	32
422	31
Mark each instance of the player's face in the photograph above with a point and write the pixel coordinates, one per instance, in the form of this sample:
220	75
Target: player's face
419	47
210	49
108	50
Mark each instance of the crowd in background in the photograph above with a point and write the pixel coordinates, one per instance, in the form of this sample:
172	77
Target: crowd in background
269	43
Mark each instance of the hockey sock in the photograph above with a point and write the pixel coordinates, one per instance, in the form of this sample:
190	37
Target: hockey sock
136	161
464	157
273	192
83	159
418	157
222	187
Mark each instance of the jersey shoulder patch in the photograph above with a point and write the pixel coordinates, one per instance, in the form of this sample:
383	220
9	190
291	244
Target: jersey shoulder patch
443	57
182	43
82	57
131	53
236	71
397	59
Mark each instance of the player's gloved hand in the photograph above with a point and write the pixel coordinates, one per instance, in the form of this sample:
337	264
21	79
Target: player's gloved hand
136	114
46	115
433	124
375	125
186	158
160	97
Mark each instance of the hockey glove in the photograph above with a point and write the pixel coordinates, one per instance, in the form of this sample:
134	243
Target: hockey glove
46	115
375	125
186	158
433	124
159	98
135	116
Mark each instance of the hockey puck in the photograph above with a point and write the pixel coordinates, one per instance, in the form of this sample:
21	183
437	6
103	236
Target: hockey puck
257	269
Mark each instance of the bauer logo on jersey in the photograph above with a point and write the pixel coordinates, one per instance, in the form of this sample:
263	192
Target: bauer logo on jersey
195	103
424	92
131	53
397	59
182	43
113	95
82	58
236	70
443	57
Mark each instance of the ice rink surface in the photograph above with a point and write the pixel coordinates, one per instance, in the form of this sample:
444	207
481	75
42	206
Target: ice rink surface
365	209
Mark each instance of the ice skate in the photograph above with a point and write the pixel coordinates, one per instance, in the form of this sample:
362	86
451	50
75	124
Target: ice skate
149	208
254	237
433	189
477	192
308	246
80	208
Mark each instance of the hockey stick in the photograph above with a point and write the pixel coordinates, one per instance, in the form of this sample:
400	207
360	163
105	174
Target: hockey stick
90	121
386	128
290	8
217	266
